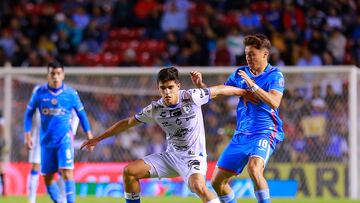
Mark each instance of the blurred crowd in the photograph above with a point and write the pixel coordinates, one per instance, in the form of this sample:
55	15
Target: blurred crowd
189	33
182	32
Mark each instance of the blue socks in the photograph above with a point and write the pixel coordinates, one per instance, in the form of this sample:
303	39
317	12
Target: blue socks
54	192
229	198
132	197
70	191
263	196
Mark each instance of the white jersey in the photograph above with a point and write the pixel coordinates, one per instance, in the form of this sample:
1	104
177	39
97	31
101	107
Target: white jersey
182	123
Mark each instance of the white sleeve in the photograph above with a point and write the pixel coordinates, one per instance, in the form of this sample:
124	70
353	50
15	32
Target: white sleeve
199	96
146	115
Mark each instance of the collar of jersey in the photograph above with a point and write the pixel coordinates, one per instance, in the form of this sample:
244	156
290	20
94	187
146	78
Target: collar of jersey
55	91
265	70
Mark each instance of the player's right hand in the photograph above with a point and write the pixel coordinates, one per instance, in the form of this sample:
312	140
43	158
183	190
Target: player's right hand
89	144
28	141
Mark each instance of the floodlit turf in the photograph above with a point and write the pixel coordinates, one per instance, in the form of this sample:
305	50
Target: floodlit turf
46	199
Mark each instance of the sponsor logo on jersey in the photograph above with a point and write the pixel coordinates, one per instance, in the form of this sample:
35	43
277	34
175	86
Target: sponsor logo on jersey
178	121
165	124
53	111
181	132
194	164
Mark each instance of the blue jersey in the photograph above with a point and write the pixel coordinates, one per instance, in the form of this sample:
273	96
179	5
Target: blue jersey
55	106
258	118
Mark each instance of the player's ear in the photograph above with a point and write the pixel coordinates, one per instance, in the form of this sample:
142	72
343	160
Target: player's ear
266	53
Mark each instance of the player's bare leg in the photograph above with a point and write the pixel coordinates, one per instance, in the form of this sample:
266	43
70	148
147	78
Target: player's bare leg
68	176
2	179
256	173
133	172
197	185
51	187
220	182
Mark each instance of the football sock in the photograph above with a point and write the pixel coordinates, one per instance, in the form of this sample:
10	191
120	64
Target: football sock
33	185
132	197
263	196
229	198
61	185
70	191
54	192
214	201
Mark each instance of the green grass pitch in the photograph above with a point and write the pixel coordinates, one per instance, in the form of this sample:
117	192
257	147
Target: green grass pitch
46	199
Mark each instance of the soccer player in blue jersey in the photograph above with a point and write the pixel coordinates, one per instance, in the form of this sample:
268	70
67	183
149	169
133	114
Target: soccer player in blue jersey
258	127
55	101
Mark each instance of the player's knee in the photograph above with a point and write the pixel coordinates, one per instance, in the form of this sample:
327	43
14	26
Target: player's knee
255	171
198	188
217	183
128	171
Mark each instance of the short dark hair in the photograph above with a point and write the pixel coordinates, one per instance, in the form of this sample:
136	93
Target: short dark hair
55	64
167	74
258	41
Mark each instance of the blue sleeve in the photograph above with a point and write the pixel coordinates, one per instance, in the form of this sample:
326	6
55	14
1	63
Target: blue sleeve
84	120
80	111
277	82
29	112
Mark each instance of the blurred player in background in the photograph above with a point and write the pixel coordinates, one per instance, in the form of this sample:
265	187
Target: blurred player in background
259	127
3	151
179	114
35	159
55	101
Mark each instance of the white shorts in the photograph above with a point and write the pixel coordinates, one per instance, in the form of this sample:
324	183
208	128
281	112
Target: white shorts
168	165
34	153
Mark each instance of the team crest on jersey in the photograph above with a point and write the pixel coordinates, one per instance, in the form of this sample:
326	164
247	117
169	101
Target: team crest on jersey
54	101
187	109
281	82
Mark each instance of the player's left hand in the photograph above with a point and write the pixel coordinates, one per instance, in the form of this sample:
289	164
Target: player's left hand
247	79
89	145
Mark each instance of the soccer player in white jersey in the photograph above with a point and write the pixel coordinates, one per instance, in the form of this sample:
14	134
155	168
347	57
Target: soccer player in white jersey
35	160
179	114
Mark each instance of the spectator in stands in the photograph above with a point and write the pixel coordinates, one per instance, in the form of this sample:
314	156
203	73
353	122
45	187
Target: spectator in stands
234	42
307	58
338	147
222	56
174	19
129	58
336	45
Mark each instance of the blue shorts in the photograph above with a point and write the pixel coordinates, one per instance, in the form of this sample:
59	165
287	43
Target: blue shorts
53	159
236	155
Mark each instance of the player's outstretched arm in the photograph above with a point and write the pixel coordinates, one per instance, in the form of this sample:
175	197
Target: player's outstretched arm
118	127
226	90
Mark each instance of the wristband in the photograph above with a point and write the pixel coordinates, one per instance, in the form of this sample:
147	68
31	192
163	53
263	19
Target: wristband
254	88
